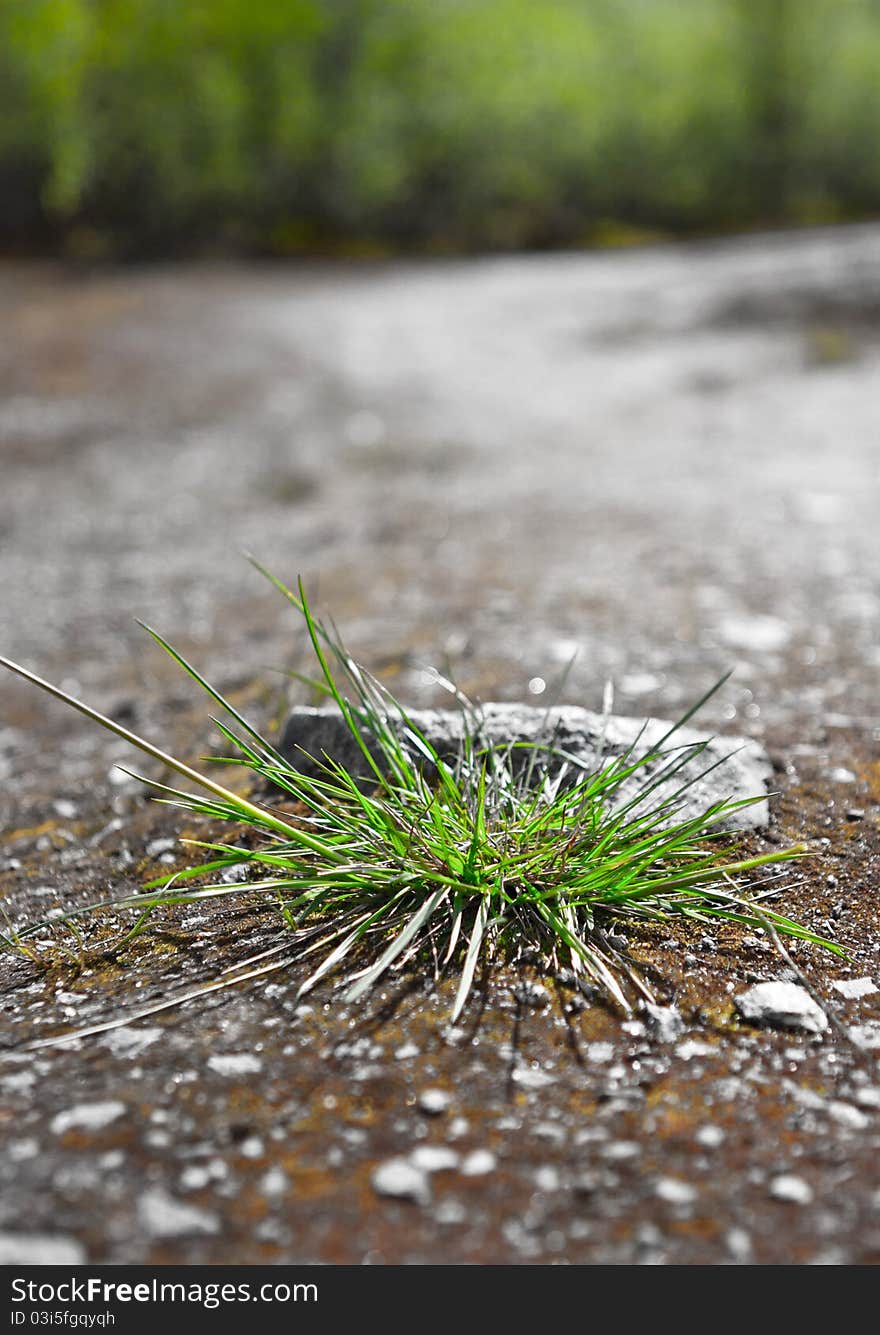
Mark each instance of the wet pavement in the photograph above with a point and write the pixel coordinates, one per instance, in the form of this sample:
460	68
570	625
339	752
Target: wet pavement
664	459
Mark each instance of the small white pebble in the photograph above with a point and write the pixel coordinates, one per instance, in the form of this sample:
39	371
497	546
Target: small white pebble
588	1135
400	1178
549	1131
479	1162
194	1177
17	1081
710	1137
87	1117
846	1115
620	1150
434	1158
156	847
251	1148
434	1101
19	1150
788	1187
547	1178
164	1217
532	1078
692	1047
600	1053
739	1244
674	1191
129	1040
235	1063
274	1182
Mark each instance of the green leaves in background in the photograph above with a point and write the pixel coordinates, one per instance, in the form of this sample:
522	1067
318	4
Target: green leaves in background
282	125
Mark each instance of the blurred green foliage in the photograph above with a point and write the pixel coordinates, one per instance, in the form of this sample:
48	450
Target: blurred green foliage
137	126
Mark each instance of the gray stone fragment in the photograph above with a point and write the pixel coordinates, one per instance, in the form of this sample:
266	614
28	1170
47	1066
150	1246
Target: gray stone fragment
532	994
866	1035
131	1040
311	733
781	1006
666	1022
853	988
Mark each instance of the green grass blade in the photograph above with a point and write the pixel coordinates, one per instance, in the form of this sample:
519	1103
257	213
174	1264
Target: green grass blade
399	944
245	807
471	958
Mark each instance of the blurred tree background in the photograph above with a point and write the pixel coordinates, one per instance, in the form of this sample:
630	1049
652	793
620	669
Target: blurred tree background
136	127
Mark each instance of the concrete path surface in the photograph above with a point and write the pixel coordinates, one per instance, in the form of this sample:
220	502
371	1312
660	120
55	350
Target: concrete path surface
665	461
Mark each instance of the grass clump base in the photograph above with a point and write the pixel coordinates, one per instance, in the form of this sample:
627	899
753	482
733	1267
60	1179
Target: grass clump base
454	863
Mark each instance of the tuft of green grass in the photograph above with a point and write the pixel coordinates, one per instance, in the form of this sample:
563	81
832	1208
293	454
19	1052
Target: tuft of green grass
456	863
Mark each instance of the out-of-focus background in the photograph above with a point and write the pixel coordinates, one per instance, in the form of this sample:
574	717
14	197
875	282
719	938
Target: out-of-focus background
343	284
532	333
490	317
134	127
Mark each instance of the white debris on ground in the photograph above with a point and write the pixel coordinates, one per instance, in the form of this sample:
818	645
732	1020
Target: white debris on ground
779	1005
235	1063
853	988
164	1217
87	1117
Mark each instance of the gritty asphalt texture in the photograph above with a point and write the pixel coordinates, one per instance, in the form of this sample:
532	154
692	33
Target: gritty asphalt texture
666	460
